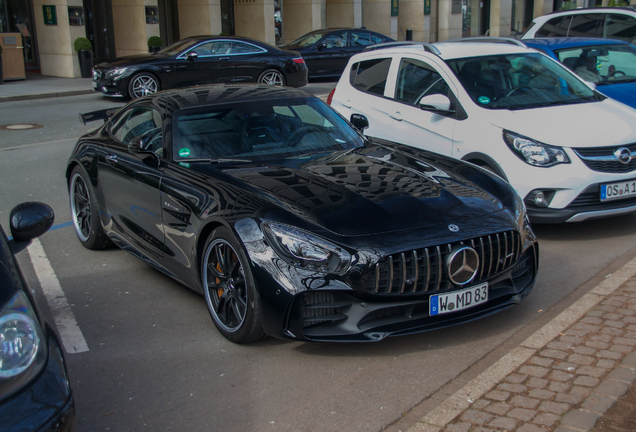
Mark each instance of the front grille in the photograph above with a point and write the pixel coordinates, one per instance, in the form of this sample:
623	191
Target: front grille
602	159
592	197
422	270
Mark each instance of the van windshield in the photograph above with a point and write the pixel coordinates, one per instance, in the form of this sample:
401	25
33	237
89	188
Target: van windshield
520	81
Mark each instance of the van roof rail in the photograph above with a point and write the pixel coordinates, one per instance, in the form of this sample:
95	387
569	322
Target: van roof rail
426	46
491	39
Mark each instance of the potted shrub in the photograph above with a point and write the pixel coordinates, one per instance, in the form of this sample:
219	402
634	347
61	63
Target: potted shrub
1	74
154	44
85	55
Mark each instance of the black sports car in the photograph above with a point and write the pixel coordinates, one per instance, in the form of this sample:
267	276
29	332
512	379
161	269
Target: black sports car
327	51
35	392
292	223
200	60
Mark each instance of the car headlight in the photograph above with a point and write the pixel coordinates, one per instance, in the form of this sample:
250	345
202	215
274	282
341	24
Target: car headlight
306	250
115	73
22	344
533	152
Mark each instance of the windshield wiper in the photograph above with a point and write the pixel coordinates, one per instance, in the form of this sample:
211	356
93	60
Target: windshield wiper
219	160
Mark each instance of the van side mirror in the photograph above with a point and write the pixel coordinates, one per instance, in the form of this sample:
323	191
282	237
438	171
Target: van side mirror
436	102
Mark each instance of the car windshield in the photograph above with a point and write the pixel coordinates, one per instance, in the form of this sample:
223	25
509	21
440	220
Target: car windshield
605	64
177	47
260	131
309	39
520	81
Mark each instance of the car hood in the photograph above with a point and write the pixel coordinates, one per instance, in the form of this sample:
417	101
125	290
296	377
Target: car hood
133	60
594	124
624	93
376	189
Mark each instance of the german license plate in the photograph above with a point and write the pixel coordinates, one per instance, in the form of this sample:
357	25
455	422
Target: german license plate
94	85
619	190
458	300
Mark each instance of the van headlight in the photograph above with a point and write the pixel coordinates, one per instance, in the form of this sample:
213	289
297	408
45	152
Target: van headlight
302	249
533	152
22	345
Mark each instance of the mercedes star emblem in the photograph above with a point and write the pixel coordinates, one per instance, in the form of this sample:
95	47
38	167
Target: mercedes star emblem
462	265
453	228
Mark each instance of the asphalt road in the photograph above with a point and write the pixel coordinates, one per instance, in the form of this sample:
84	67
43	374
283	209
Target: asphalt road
156	362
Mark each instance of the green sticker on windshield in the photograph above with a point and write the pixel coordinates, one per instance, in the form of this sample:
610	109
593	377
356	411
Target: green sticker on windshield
184	152
484	100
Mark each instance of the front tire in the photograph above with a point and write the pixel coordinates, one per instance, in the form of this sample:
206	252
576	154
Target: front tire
85	212
229	288
271	76
143	84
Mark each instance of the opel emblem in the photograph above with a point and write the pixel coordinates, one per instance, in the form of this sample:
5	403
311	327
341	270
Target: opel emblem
623	155
453	228
462	265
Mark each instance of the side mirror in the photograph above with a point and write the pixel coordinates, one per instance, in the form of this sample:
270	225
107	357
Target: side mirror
321	46
436	102
142	143
28	221
192	55
359	122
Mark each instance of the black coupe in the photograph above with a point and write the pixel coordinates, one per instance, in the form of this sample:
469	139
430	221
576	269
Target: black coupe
327	51
200	60
291	223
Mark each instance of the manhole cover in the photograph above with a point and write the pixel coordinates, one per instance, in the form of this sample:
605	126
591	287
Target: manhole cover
24	126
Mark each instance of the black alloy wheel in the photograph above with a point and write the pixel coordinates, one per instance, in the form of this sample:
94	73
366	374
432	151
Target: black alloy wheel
271	76
85	212
229	289
143	84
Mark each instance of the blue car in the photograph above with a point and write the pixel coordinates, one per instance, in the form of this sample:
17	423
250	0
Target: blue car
609	64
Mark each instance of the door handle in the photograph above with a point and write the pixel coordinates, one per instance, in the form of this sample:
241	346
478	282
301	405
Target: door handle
347	104
224	58
396	116
111	159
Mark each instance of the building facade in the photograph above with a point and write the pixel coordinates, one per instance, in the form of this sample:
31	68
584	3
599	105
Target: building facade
122	27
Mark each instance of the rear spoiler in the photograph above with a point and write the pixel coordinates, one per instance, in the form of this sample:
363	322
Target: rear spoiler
97	115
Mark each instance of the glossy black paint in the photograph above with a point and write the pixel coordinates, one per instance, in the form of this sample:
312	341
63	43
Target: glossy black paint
329	62
379	199
46	402
174	71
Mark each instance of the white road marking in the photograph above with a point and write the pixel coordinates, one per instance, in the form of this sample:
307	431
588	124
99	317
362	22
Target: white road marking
67	326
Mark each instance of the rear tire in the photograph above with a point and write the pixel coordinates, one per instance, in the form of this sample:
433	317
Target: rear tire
85	212
271	76
230	292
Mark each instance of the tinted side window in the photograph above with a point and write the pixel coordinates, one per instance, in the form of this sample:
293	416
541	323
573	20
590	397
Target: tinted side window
620	27
587	25
370	76
359	38
140	121
375	39
555	27
213	48
416	80
336	40
244	48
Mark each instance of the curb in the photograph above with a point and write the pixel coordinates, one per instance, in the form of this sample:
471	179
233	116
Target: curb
45	95
440	417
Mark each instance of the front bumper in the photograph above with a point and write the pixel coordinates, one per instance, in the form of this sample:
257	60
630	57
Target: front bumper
46	404
587	205
110	87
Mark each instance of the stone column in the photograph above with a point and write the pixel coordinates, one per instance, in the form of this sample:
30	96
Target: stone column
200	17
542	7
475	10
300	17
500	16
129	21
55	42
412	17
255	19
449	24
343	13
376	16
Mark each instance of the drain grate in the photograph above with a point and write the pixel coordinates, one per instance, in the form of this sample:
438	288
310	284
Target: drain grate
23	126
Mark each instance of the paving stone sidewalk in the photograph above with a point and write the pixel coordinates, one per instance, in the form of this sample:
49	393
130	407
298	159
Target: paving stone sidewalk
568	384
